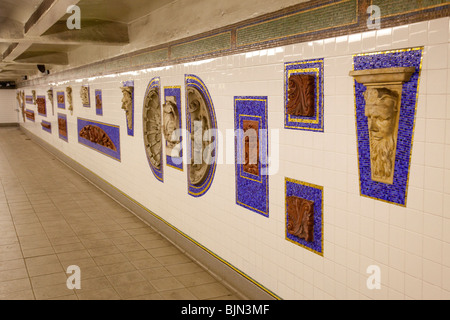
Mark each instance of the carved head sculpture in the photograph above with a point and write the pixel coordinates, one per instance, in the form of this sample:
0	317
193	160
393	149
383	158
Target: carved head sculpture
84	94
171	121
127	104
382	116
50	95
69	98
300	218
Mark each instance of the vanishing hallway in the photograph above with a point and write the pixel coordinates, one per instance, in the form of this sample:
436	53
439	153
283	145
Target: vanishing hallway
52	218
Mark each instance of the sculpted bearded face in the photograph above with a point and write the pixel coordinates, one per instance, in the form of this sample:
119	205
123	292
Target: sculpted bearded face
382	115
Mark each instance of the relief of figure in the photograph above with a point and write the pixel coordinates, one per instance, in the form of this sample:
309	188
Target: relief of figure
382	115
200	126
171	124
69	99
300	218
152	128
33	93
127	104
84	94
50	97
251	147
301	95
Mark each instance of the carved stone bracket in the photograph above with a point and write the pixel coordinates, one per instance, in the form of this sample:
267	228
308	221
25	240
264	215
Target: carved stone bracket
127	104
69	99
382	109
33	93
50	97
84	95
152	128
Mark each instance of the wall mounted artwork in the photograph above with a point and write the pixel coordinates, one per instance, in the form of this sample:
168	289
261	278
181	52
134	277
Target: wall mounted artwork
33	94
251	145
85	96
102	137
98	103
304	97
202	146
69	99
46	126
21	100
386	90
172	127
128	105
30	115
50	98
62	127
41	106
61	100
304	215
29	100
152	128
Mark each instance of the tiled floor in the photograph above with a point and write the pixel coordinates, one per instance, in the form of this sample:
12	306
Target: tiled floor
52	218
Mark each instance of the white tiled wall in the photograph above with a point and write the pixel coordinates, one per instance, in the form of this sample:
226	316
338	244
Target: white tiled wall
411	245
8	106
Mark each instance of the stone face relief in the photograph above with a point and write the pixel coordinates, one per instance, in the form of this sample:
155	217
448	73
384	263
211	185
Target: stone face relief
301	95
152	127
300	218
97	135
251	147
50	97
171	124
200	125
383	101
69	99
127	104
84	94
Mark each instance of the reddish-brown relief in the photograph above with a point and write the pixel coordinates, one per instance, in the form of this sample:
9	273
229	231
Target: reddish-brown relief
62	127
41	106
301	98
300	218
97	135
46	125
251	147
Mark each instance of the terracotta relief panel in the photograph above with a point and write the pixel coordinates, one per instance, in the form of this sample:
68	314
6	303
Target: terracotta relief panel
101	137
61	100
300	218
251	147
98	102
301	98
46	126
41	106
62	127
30	115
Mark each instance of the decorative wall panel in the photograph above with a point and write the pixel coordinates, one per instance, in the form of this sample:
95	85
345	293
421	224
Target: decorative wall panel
46	126
62	127
152	128
304	95
98	103
386	90
102	137
69	99
50	98
202	146
251	145
29	99
61	99
30	115
172	127
304	215
128	105
41	106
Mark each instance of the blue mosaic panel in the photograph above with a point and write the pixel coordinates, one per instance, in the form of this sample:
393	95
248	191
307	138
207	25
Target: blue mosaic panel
252	191
155	83
397	192
195	82
29	99
130	131
61	100
175	162
98	103
112	131
49	130
313	193
43	108
62	121
307	67
31	115
89	97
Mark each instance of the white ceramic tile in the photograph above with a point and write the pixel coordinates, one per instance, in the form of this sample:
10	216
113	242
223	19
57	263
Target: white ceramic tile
438	31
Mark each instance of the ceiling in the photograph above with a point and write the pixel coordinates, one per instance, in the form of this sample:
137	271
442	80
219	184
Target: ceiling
35	32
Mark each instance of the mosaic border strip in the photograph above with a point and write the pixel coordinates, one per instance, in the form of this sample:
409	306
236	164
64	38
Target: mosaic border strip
113	132
313	193
252	191
397	192
175	162
195	82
